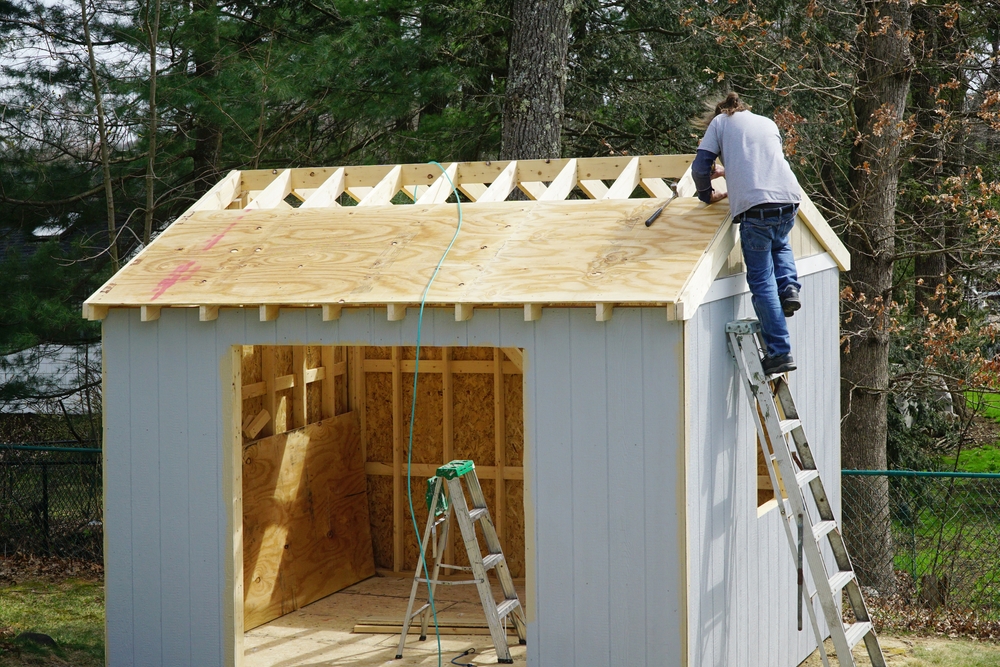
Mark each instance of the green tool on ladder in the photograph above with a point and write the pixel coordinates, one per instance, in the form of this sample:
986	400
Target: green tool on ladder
778	423
440	508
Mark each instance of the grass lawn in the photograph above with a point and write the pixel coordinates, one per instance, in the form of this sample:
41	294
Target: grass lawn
69	611
909	651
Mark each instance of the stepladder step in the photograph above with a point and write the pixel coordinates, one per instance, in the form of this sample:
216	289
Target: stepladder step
803	477
478	513
823	528
856	632
789	425
507	606
841	579
490	561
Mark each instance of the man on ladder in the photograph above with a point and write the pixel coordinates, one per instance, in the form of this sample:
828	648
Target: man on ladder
764	198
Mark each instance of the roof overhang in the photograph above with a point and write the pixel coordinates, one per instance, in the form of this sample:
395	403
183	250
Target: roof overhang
243	245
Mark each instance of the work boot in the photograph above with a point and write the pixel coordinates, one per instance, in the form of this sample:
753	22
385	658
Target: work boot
790	301
782	363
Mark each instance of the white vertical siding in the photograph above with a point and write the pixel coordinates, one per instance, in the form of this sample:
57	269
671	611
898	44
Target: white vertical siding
604	475
742	587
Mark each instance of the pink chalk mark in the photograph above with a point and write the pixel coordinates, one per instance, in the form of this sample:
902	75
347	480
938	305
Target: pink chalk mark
218	237
179	274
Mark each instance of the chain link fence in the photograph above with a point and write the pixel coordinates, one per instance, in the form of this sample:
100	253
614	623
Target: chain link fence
51	501
928	539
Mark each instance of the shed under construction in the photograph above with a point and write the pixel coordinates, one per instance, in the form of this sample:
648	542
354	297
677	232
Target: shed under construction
258	371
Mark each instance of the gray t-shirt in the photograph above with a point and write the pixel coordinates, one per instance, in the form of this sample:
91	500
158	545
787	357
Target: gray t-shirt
756	170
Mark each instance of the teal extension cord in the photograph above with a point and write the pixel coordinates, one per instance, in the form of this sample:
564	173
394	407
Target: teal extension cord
413	404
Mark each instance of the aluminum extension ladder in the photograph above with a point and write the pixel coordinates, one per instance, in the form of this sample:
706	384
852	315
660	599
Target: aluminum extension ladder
777	419
440	509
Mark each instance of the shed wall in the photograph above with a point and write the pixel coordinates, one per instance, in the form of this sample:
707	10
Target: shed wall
742	583
604	475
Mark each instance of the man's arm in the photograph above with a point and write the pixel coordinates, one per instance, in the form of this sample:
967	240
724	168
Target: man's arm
703	171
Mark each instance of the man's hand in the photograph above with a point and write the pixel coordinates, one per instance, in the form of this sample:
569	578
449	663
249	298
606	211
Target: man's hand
718	196
718	171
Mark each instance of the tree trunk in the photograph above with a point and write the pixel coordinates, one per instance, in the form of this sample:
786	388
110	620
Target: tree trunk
208	134
883	82
102	134
153	31
536	79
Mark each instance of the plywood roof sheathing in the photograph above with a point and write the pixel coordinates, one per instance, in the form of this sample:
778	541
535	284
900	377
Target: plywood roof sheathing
566	252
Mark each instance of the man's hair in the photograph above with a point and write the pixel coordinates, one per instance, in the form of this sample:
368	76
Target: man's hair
728	105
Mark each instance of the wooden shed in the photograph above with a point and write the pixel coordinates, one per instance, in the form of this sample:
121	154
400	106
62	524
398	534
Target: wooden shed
258	369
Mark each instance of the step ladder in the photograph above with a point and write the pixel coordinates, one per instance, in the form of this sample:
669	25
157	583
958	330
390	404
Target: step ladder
441	507
780	430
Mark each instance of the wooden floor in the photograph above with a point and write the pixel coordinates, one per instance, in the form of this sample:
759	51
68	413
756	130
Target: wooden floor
322	633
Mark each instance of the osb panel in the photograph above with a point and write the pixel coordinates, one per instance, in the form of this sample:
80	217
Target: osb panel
428	430
474	417
514	540
472	353
380	511
378	416
425	352
306	529
378	352
514	419
410	549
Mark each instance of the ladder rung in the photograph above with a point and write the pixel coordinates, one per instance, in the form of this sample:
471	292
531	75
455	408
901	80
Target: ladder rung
856	632
803	477
841	579
507	606
491	561
478	513
821	529
789	425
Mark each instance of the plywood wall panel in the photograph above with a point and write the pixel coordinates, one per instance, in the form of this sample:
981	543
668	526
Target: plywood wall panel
305	512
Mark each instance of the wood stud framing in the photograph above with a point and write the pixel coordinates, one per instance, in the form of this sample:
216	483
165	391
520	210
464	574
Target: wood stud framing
284	402
504	362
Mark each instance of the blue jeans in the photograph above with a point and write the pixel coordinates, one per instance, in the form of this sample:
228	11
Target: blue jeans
771	271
